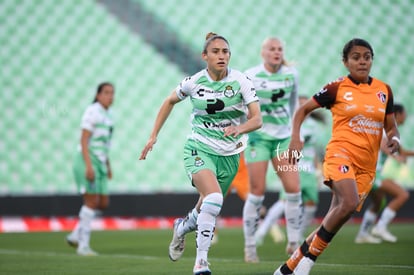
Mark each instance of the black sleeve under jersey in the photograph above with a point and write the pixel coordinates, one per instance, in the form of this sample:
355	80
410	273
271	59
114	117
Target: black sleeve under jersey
327	95
390	103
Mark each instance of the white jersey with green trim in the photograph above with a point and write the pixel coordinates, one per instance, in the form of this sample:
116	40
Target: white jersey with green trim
217	105
278	94
99	121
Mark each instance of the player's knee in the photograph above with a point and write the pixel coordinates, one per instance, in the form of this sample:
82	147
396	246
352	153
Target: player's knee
349	204
405	196
212	203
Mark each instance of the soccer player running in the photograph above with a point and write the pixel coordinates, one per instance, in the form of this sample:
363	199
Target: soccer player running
361	107
371	230
276	84
91	166
221	98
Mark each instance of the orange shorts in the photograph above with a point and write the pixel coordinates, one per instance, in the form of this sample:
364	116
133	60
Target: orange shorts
241	181
339	168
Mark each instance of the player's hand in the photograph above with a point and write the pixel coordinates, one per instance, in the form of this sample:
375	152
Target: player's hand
147	148
295	151
393	145
89	174
231	131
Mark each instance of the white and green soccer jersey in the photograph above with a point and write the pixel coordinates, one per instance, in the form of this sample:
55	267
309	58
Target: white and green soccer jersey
217	105
97	120
278	94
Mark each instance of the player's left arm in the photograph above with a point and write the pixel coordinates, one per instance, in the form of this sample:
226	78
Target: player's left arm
393	135
390	125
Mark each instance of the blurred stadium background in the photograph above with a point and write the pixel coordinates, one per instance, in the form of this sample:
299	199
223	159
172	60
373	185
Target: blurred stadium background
54	54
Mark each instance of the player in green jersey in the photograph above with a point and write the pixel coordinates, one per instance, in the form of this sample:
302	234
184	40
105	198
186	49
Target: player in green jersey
221	99
91	166
276	83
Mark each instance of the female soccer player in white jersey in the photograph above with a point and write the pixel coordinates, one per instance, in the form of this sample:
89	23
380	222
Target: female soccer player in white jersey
276	85
219	96
91	166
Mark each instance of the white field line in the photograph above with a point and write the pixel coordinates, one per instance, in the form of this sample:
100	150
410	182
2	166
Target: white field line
144	257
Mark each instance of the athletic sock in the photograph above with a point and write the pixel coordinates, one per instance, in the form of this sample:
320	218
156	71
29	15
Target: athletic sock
75	232
86	216
273	214
189	223
251	218
319	242
294	259
293	215
206	221
308	216
386	217
367	222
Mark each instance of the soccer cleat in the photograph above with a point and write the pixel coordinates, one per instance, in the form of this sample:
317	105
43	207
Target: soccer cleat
384	234
291	247
176	248
367	238
279	272
250	254
86	251
201	268
304	267
277	234
71	242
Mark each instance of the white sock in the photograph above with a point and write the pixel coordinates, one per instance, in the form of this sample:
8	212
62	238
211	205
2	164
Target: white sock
86	216
308	216
274	213
367	222
74	235
251	218
206	221
189	224
386	217
293	215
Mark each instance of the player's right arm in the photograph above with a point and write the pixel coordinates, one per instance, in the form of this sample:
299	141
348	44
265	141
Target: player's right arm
84	141
162	116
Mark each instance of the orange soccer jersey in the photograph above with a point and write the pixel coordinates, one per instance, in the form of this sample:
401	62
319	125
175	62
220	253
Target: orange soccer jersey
358	113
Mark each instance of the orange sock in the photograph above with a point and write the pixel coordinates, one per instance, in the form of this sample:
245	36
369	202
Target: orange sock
317	246
294	260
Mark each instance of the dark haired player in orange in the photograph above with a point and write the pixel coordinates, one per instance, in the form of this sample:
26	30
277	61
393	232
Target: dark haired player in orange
361	108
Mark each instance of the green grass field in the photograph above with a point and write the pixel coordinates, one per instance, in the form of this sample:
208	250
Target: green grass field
146	252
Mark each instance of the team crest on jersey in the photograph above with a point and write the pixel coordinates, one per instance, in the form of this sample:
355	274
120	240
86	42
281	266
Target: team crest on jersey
198	162
343	168
382	96
229	92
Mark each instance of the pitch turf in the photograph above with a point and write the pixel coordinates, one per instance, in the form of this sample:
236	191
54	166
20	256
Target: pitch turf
146	252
